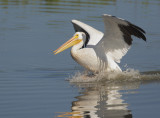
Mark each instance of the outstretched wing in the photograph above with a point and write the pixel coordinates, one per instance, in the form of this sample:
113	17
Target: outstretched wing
117	37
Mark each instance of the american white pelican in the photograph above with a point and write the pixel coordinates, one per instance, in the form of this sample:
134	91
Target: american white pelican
97	51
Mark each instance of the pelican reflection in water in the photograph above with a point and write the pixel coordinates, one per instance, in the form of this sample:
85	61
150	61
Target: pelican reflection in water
97	51
101	100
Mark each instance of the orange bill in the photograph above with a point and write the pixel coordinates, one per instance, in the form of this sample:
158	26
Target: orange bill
74	40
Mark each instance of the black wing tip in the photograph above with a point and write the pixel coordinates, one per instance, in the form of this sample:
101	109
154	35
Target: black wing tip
137	27
129	30
139	31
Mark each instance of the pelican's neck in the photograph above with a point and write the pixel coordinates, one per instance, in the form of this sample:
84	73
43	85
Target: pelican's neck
77	47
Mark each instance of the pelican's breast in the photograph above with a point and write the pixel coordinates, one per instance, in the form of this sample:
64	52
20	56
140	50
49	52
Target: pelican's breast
87	58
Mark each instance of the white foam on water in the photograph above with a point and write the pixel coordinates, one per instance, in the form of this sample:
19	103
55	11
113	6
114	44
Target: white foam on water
128	75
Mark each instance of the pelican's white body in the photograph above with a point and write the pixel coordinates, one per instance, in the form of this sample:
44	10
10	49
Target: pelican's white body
88	58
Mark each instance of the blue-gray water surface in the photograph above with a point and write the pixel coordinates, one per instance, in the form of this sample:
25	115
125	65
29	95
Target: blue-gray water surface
33	80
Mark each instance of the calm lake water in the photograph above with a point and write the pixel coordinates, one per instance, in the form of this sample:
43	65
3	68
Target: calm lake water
33	80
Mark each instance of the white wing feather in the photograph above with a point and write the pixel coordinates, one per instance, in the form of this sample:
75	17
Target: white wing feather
113	42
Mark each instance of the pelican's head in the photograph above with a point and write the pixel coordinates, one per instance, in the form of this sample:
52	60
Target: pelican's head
77	38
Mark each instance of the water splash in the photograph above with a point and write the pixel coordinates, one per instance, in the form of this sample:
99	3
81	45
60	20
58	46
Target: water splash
128	75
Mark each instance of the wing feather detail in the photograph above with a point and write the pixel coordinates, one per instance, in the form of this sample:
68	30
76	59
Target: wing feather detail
117	37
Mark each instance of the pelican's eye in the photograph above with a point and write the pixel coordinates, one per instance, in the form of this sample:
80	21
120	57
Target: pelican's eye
77	35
